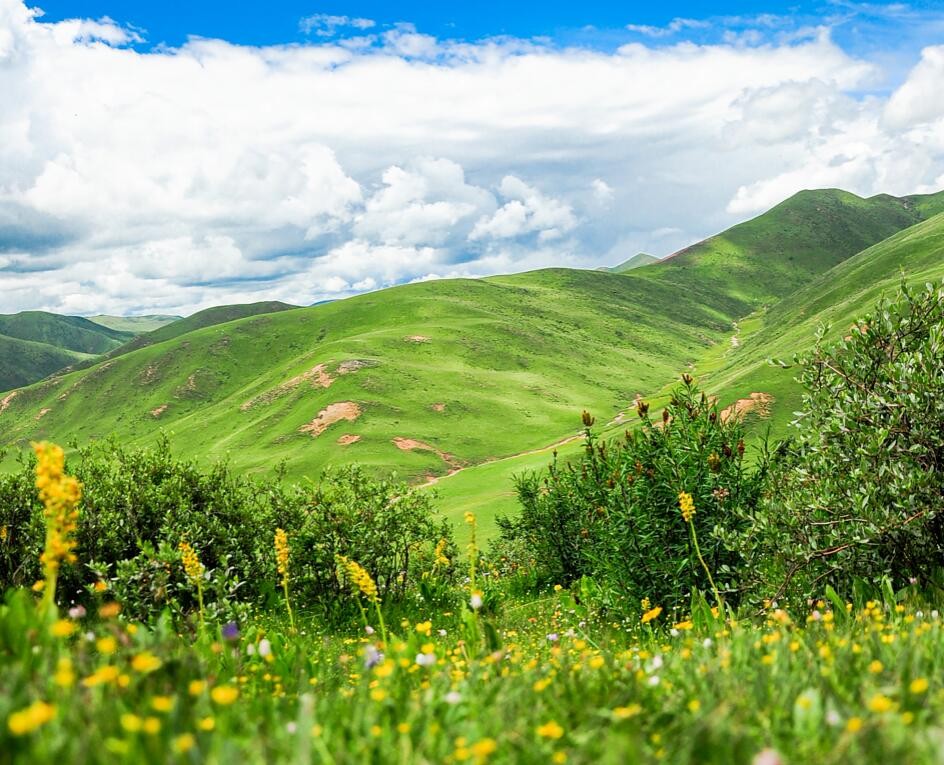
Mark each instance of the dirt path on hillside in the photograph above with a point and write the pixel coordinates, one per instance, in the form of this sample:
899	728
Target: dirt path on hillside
7	400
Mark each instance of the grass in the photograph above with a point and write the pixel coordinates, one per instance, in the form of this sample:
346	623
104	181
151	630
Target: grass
136	324
842	683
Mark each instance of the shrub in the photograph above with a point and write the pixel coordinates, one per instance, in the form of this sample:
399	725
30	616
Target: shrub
139	504
860	492
614	515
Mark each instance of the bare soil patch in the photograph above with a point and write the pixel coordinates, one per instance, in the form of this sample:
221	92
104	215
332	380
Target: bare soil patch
416	339
411	444
344	410
756	403
43	413
7	401
318	377
159	410
438	407
348	439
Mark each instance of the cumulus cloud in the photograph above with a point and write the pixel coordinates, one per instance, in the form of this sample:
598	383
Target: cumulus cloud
168	180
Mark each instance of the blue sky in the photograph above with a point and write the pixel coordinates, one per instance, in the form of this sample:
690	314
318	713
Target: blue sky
157	157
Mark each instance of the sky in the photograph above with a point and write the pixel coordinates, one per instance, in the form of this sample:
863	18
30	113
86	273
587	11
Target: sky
166	157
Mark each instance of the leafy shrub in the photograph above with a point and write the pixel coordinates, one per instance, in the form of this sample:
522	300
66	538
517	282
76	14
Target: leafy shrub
860	492
614	514
139	504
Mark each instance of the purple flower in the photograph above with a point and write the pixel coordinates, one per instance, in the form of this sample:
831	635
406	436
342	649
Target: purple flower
231	631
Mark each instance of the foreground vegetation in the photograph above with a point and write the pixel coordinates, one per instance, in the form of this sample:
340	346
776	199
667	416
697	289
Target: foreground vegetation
665	596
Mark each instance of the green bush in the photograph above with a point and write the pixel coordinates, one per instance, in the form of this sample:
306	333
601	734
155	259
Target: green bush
614	514
860	492
139	504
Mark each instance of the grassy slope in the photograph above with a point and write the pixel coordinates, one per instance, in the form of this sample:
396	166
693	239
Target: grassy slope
764	259
23	362
636	261
837	298
71	333
512	359
209	317
134	324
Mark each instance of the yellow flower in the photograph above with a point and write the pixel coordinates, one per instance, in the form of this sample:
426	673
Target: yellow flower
559	758
151	725
206	723
184	742
102	675
482	749
359	579
880	703
145	662
694	705
281	554
34	716
60	495
876	667
131	723
62	628
651	614
440	553
378	694
64	676
109	610
918	686
686	505
224	694
470	518
624	713
162	703
550	730
106	645
192	565
403	728
196	687
854	724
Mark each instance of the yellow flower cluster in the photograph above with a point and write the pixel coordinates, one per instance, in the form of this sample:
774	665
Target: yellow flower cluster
281	554
192	564
34	716
357	575
686	505
440	553
60	495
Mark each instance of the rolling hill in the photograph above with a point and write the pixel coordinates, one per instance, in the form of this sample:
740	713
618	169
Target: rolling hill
23	362
135	324
636	261
72	333
434	377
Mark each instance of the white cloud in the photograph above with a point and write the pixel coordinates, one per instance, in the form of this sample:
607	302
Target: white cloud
175	179
326	25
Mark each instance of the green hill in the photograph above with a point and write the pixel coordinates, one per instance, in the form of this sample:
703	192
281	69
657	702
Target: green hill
768	257
207	318
432	377
71	333
23	362
135	324
636	261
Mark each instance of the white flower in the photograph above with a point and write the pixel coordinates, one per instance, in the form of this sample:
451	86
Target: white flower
767	757
265	647
656	662
251	649
475	601
291	727
369	630
674	632
442	633
453	697
934	614
833	718
816	615
425	659
553	637
707	643
77	612
653	681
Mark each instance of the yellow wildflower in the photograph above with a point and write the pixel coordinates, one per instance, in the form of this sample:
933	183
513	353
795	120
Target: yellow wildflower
880	703
62	628
651	614
686	505
192	565
854	724
359	579
184	742
131	723
624	713
196	687
550	730
162	703
281	554
224	694
34	716
151	725
206	723
918	686
145	662
60	495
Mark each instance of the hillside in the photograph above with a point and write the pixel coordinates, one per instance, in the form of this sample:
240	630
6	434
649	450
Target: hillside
71	333
762	260
636	261
207	318
135	324
431	376
23	362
